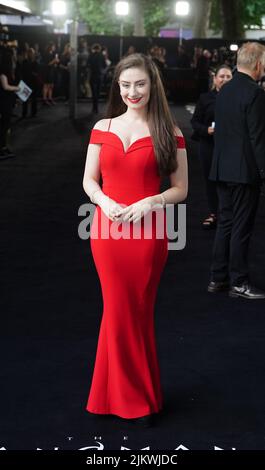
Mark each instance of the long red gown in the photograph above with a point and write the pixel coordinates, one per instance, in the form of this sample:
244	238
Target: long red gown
126	378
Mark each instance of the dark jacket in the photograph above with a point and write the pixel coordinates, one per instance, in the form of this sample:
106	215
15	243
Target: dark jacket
97	64
30	70
7	98
239	151
204	115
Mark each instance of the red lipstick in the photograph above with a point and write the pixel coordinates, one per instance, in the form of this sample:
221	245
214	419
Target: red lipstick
134	101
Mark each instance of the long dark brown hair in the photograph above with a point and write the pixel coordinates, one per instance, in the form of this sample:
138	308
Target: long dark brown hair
160	121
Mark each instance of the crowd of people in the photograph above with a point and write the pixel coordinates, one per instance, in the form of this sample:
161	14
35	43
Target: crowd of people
46	71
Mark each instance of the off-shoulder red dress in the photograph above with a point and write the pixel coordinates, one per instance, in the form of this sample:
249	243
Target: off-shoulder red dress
126	378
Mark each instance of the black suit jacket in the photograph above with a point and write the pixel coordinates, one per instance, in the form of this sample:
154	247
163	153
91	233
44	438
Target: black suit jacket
204	115
239	153
97	64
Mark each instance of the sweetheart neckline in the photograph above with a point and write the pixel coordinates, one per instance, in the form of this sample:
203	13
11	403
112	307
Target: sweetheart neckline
116	135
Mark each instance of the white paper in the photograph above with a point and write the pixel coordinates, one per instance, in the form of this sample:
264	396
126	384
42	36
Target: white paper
24	92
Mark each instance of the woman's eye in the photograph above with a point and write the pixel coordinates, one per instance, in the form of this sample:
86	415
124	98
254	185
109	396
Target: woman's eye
139	84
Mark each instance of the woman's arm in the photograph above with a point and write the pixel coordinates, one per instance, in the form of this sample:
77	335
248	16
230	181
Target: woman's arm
91	180
5	84
92	174
178	179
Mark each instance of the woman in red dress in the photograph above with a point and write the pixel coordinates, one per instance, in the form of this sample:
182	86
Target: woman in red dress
131	151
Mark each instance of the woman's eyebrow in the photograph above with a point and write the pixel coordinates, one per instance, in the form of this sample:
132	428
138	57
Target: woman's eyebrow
143	80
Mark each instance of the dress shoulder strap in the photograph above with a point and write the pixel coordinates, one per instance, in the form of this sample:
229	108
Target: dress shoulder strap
109	124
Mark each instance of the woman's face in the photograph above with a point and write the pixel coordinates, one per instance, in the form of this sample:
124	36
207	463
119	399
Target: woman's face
223	76
135	87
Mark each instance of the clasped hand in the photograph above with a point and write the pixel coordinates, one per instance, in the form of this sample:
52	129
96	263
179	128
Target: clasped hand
131	213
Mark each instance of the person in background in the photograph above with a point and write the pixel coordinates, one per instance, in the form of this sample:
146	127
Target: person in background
202	71
130	50
64	65
182	60
97	64
83	72
238	168
197	53
158	58
107	72
37	53
30	75
50	61
203	125
163	54
215	60
105	53
8	87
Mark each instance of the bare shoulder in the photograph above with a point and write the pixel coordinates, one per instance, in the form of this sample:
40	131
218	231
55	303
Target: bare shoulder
102	125
178	132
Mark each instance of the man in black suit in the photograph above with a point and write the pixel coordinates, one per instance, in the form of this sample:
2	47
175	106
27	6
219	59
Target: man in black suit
238	167
97	64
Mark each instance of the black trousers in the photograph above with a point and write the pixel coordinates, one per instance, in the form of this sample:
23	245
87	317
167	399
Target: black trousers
95	83
237	209
33	103
5	124
206	156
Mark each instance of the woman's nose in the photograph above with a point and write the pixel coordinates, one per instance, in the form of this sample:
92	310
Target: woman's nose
132	90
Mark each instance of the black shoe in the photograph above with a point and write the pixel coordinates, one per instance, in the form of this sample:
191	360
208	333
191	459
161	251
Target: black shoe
6	153
3	156
247	292
218	286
